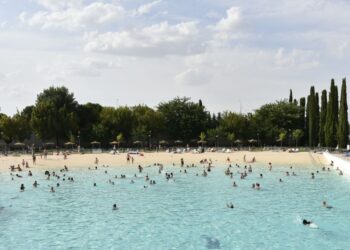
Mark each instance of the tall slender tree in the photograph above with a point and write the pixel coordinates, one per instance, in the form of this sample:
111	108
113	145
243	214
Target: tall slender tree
290	96
317	119
332	117
343	125
323	116
312	117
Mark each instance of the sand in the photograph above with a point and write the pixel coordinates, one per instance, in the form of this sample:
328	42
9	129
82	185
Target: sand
302	159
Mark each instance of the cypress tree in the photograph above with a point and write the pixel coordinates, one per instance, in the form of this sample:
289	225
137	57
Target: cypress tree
343	125
290	96
312	118
307	118
302	116
323	116
332	117
317	120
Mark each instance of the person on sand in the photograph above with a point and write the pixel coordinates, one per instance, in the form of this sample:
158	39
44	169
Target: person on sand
96	161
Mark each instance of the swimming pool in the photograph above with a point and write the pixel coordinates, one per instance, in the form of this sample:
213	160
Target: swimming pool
187	213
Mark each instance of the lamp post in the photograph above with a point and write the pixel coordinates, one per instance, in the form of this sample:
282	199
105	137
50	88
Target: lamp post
217	142
258	138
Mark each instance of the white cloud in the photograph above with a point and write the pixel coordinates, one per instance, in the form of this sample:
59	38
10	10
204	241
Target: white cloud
193	77
74	17
146	8
302	59
60	70
157	39
56	5
228	23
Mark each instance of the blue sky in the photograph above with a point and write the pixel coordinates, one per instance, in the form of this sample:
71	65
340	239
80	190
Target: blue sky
126	52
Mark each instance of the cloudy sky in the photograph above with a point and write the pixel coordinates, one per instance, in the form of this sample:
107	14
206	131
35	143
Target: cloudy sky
126	52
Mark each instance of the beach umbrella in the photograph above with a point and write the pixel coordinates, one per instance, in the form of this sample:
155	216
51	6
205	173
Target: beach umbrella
163	142
178	141
202	141
137	142
69	143
95	142
252	141
114	143
238	141
19	144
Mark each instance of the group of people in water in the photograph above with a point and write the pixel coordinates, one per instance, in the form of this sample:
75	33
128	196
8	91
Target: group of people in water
241	171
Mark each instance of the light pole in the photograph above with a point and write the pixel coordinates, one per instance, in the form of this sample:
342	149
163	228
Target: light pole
217	142
258	138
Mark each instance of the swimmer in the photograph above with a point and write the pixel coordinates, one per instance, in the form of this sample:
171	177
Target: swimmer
230	205
52	190
306	223
115	207
324	203
22	187
35	184
95	184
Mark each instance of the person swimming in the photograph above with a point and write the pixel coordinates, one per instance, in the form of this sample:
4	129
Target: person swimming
115	207
22	187
324	203
35	184
52	190
306	222
230	205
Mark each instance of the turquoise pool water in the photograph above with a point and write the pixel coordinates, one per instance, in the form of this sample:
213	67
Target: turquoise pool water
187	213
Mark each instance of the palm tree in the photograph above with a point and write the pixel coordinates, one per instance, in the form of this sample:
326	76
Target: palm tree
120	138
202	137
282	137
297	134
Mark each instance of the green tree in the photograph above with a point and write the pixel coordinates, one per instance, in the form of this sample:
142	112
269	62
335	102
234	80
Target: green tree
343	125
272	118
120	138
332	117
312	117
290	96
54	114
88	116
282	136
202	137
231	138
297	135
183	119
323	117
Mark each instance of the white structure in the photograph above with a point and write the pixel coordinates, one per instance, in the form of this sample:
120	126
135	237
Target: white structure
338	162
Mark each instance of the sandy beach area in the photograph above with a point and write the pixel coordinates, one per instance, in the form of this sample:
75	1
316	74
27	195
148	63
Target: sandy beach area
302	159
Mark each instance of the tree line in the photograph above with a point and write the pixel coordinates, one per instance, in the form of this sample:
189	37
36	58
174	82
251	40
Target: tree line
57	117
